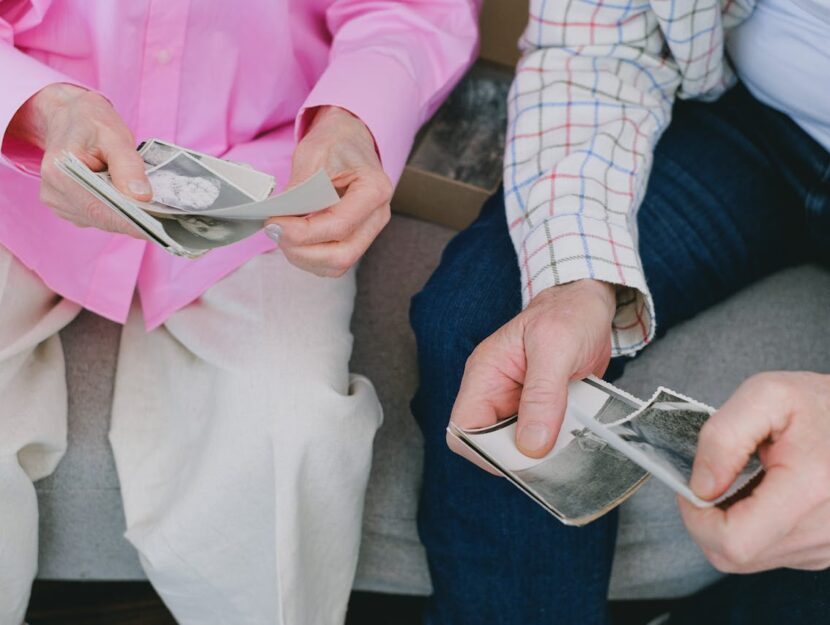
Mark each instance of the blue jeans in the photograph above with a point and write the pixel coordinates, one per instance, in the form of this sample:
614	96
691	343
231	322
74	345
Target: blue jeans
737	191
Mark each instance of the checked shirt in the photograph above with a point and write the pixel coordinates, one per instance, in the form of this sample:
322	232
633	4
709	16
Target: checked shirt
592	95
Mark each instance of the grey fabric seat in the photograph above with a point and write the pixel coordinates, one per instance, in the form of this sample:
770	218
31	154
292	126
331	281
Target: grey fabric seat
779	323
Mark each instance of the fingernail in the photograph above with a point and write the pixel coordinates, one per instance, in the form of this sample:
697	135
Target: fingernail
533	437
139	187
703	482
274	232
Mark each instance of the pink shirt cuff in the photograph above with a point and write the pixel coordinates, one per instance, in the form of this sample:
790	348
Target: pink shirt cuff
381	93
29	77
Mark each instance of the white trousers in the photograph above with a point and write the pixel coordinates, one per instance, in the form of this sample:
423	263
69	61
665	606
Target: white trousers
243	444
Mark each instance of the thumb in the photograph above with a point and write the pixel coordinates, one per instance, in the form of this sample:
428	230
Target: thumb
127	170
731	435
543	402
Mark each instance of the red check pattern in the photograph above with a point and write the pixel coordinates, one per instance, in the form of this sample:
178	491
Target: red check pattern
592	95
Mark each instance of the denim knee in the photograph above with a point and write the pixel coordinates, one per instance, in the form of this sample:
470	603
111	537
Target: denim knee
439	320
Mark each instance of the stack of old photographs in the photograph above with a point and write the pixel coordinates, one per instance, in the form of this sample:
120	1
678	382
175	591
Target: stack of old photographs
200	202
609	444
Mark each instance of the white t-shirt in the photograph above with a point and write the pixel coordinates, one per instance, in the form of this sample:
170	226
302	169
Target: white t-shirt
782	54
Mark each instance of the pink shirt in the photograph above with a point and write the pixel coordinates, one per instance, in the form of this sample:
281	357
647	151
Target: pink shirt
228	78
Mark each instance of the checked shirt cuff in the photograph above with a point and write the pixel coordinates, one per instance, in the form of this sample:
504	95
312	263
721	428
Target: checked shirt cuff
569	247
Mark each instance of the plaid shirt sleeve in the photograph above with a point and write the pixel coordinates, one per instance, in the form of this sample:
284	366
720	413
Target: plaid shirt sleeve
592	95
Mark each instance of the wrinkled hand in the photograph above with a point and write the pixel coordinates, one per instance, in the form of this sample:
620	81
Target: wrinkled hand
785	521
526	365
64	117
330	241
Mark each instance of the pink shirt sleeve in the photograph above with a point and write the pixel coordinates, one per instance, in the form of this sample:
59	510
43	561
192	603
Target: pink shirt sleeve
23	78
392	63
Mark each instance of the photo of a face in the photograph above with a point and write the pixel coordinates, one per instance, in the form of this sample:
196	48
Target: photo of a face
208	228
185	184
203	233
189	193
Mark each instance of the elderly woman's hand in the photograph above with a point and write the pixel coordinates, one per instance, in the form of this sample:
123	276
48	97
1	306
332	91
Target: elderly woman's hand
785	521
329	242
62	117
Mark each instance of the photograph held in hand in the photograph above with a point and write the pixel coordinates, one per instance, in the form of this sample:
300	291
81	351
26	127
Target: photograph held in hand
609	444
200	202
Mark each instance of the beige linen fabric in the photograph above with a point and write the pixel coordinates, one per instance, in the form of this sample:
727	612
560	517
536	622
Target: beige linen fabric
243	446
33	408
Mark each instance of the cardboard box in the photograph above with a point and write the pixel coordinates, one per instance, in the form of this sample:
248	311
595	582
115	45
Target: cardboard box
501	24
457	161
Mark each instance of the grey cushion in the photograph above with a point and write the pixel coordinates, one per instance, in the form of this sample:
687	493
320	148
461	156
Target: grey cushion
396	267
779	323
81	519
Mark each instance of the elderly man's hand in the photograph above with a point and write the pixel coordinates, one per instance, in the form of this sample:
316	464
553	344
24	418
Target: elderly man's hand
64	117
329	242
785	521
526	365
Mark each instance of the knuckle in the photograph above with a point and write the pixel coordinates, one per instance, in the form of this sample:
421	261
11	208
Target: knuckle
341	229
295	259
736	554
93	209
338	270
343	261
818	565
549	325
717	432
553	319
769	385
386	215
764	378
474	359
711	433
45	195
380	187
385	187
118	142
720	562
292	259
61	215
481	350
541	383
90	98
321	272
540	392
47	167
290	239
326	271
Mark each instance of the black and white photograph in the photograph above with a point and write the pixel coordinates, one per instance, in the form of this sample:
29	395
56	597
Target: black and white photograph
667	431
200	232
583	476
182	182
155	153
616	408
587	476
583	480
